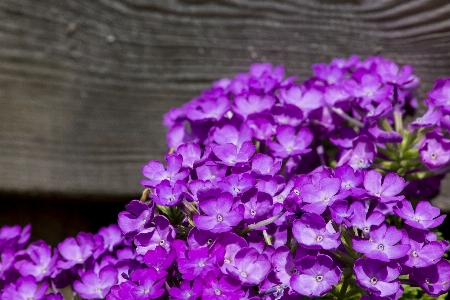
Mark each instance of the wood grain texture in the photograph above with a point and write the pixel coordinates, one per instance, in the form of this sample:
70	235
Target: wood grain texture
84	84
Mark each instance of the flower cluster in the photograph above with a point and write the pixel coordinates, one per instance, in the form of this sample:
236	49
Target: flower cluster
273	190
90	263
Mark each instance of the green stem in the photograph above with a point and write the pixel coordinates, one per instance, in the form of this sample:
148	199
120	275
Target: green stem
351	293
343	290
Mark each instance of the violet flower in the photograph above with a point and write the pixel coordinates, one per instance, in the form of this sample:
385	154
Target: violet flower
38	262
435	151
160	258
230	155
186	291
316	276
312	232
386	192
156	172
136	217
150	284
95	286
167	194
435	279
25	288
291	143
245	105
424	217
199	262
162	234
377	277
76	251
382	244
220	216
250	267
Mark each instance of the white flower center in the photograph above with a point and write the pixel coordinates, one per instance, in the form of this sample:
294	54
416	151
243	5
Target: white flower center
373	280
219	218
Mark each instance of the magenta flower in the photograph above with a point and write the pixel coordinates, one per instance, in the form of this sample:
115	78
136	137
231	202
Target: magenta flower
362	154
232	243
237	185
377	277
425	216
312	233
283	264
306	100
315	276
364	220
220	216
262	125
382	244
95	286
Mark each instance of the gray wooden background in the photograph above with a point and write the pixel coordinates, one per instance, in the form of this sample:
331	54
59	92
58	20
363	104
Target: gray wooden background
84	83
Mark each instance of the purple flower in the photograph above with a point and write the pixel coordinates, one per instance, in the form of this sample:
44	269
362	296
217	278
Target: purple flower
232	243
440	95
426	216
422	253
306	100
167	194
287	115
136	217
377	277
94	286
230	155
435	151
160	258
235	133
245	105
262	125
198	262
156	172
322	195
223	287
220	217
283	264
162	234
208	109
290	143
350	179
312	233
435	279
237	185
250	267
361	156
363	219
76	251
112	236
25	288
264	167
186	292
14	237
315	276
150	284
430	118
384	137
38	262
382	244
257	205
191	153
386	192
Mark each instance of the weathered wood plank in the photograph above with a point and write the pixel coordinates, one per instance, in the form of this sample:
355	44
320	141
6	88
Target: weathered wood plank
84	84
